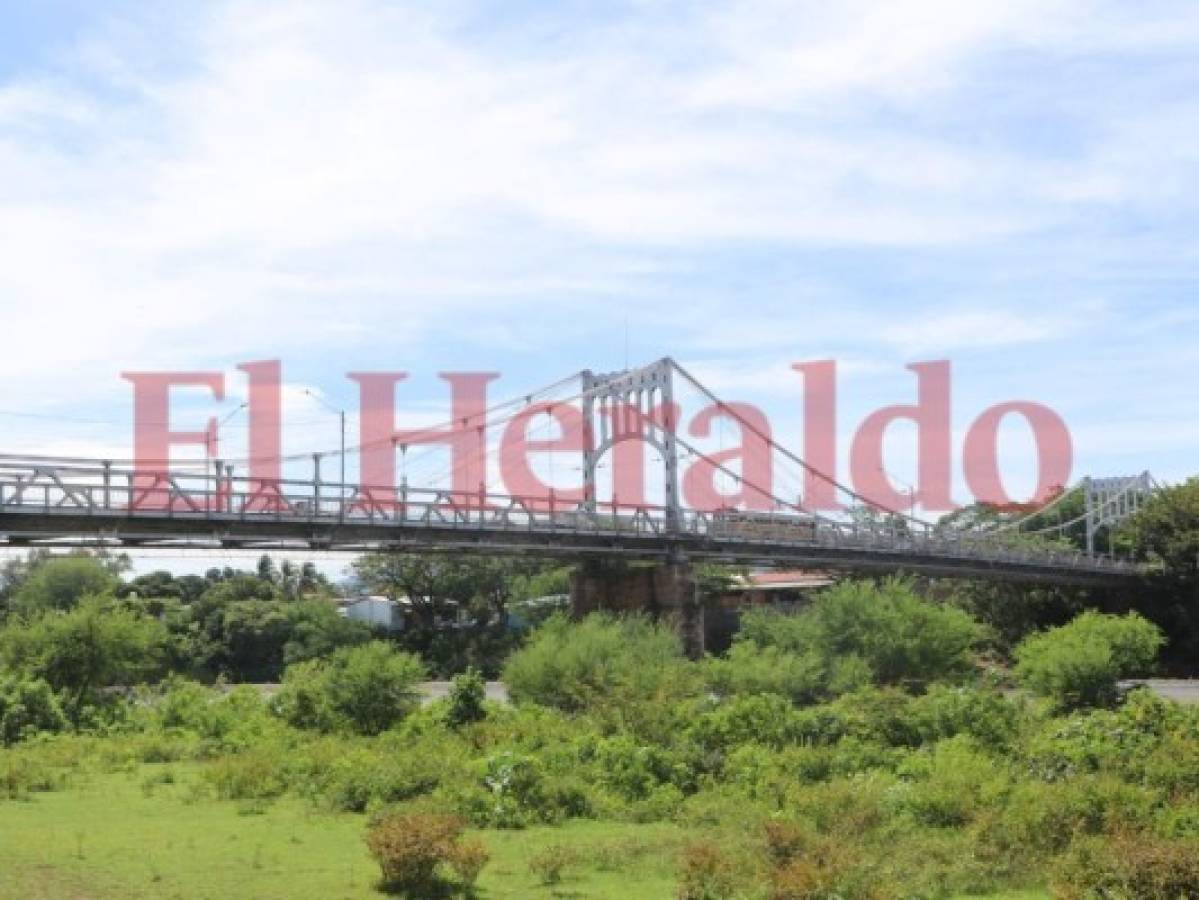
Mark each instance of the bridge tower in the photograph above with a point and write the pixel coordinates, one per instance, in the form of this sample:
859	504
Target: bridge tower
632	405
637	405
1110	501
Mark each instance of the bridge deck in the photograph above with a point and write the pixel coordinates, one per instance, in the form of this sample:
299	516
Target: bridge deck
56	503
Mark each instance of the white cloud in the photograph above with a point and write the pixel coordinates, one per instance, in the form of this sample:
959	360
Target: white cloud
320	178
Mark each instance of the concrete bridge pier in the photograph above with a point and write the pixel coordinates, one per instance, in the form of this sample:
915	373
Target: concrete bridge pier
665	591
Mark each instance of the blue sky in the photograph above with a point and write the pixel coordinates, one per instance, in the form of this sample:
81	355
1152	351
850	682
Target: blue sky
516	187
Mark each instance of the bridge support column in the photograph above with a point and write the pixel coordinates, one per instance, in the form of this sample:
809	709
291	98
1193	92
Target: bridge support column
665	591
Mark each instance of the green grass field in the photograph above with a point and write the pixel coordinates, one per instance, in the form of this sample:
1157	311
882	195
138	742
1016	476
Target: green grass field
139	835
124	835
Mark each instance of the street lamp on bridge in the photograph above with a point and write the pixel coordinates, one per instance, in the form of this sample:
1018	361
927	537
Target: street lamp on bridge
341	414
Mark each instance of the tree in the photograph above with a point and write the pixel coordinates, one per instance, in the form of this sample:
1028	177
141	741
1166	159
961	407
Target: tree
95	645
160	585
1079	664
1013	610
883	632
459	605
317	629
266	569
14	572
600	660
433	585
27	706
365	689
467	695
1165	532
58	583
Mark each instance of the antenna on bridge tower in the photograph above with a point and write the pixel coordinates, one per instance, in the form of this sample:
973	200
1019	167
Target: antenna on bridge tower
617	407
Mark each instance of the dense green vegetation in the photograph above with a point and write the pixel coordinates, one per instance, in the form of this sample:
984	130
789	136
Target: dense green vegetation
891	739
915	777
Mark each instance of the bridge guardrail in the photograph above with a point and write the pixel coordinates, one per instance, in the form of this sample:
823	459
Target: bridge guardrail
52	487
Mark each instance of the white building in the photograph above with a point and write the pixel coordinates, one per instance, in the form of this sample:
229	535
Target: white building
379	612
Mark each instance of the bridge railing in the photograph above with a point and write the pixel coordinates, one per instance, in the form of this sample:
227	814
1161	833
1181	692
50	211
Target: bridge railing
84	488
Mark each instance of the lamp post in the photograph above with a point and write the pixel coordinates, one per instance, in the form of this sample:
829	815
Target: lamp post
216	463
341	415
212	435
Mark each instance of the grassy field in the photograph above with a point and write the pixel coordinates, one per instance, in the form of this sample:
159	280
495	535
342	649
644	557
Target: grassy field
153	833
130	835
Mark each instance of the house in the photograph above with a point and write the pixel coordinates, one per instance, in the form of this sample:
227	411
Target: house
775	588
378	612
784	591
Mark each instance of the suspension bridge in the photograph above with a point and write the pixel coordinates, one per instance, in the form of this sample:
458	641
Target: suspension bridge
112	505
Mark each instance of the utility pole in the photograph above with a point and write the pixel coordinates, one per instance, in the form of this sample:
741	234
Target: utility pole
212	435
341	416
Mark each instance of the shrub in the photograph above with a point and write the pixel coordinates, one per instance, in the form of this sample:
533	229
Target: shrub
365	689
22	773
634	770
27	706
1080	663
600	660
950	784
410	848
858	631
847	806
365	777
764	718
468	858
750	669
257	774
1123	740
947	710
230	721
467	694
1040	819
550	863
1136	867
706	872
806	878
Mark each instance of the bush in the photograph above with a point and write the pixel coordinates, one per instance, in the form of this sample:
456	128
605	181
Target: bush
513	790
550	863
257	774
364	689
950	785
468	859
236	720
633	770
1080	663
706	872
1125	740
764	719
1129	867
363	777
600	660
27	706
467	694
411	848
749	669
848	806
1040	819
22	773
809	866
986	715
859	631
